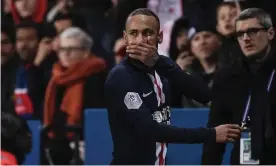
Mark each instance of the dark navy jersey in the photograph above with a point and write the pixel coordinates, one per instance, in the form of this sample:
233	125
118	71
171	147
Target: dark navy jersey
138	104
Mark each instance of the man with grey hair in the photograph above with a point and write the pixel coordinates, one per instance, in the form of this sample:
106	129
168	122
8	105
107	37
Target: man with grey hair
77	83
245	93
79	34
75	41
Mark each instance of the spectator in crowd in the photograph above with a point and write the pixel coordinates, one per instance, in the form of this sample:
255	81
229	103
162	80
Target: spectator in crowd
94	13
46	55
201	60
179	52
61	6
7	39
27	40
180	42
62	21
32	10
245	93
91	17
16	139
227	12
6	9
34	63
77	83
6	6
184	60
119	50
204	45
9	62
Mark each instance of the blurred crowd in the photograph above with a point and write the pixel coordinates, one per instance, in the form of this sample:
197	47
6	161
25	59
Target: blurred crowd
198	35
50	45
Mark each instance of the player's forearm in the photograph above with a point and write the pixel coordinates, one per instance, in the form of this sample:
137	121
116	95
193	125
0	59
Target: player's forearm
190	86
171	134
145	126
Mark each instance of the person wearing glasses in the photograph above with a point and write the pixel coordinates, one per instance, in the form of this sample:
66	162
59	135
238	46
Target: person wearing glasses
245	93
77	83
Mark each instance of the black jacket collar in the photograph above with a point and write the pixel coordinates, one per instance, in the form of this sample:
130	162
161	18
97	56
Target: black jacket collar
138	65
246	65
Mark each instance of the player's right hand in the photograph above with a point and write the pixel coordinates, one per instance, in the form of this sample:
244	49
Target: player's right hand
227	133
143	51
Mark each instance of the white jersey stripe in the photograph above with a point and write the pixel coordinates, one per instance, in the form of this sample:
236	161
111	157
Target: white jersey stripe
160	153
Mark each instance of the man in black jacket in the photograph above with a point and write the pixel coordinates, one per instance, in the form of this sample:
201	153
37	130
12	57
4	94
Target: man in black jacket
138	98
245	93
16	137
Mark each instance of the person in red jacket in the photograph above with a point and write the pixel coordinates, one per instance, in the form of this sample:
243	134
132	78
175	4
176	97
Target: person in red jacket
34	10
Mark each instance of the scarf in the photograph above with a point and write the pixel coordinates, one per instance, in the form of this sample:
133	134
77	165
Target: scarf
23	104
73	79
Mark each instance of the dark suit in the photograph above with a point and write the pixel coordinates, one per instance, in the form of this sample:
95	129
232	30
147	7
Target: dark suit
230	93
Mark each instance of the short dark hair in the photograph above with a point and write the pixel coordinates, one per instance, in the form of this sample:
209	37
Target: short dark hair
229	4
8	29
63	16
145	11
262	16
30	24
